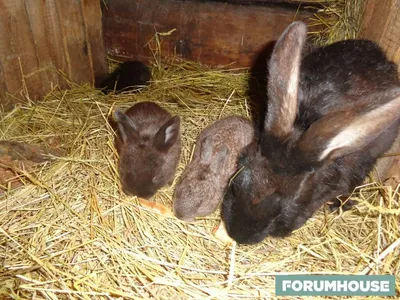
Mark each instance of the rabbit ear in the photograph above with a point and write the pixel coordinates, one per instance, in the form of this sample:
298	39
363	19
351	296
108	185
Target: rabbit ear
283	80
342	133
126	126
168	134
218	161
206	151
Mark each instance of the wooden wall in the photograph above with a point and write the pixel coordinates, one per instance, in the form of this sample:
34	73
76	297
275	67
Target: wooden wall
381	23
40	36
213	33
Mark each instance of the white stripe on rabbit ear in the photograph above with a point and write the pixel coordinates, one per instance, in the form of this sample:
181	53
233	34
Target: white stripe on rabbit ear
283	80
170	132
363	130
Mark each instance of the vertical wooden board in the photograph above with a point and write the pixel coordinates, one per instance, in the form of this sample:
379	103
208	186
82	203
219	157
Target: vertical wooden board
12	77
18	40
3	86
53	33
41	36
43	45
391	41
74	40
91	13
210	32
4	102
381	23
25	46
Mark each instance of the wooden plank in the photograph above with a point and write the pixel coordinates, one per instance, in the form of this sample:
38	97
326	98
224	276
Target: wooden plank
39	37
43	41
3	85
209	32
10	50
91	13
381	23
4	54
54	41
74	40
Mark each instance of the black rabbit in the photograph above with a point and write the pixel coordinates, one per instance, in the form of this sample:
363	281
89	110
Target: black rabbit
127	76
330	115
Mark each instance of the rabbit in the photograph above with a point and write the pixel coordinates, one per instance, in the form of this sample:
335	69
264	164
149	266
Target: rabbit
330	114
203	182
148	142
127	76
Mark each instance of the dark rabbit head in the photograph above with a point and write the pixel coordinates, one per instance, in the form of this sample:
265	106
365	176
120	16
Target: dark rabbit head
127	76
148	143
312	149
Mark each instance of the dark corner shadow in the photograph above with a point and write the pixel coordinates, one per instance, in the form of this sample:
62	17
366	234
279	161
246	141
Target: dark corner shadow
258	80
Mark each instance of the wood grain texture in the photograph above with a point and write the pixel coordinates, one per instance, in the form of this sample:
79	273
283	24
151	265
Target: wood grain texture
16	44
209	32
91	13
39	37
74	40
381	23
44	50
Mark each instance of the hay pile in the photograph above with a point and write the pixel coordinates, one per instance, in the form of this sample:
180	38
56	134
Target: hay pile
70	232
336	20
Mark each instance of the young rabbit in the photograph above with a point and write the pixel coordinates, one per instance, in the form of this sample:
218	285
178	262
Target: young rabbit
127	76
149	144
205	178
330	115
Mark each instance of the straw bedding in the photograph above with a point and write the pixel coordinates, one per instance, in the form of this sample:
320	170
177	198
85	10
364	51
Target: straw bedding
336	20
70	232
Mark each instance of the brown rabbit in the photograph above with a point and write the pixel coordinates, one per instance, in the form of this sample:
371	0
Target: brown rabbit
149	144
203	182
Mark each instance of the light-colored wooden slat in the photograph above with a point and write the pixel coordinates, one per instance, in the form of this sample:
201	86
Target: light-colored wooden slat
38	37
381	23
91	13
74	40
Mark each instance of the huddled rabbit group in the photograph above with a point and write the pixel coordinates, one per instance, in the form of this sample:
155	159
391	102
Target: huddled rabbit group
331	112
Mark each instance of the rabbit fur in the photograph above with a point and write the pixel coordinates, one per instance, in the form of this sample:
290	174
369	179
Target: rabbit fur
148	142
330	114
204	180
127	76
